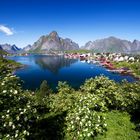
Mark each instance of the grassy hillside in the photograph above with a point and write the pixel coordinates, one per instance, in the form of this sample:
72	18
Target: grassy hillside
100	109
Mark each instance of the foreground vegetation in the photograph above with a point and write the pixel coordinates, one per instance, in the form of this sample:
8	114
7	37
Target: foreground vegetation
134	66
101	109
8	66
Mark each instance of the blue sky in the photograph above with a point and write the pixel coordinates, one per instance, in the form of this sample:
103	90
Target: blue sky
22	22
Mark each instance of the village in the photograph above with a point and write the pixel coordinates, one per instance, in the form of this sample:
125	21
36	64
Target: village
111	61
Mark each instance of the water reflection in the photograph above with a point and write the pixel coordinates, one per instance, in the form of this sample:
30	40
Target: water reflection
58	68
54	63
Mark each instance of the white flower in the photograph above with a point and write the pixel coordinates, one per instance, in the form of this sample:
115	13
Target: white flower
4	91
7	115
13	126
97	125
28	106
21	113
72	126
24	132
4	125
2	117
2	84
15	92
81	123
71	122
77	118
8	111
8	136
28	133
83	120
24	110
105	124
88	134
17	118
85	129
10	123
88	111
11	90
16	135
78	132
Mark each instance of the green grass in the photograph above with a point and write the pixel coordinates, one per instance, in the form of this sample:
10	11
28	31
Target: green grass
2	52
78	51
135	66
9	64
119	127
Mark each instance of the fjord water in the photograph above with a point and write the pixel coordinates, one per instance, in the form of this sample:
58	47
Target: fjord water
58	68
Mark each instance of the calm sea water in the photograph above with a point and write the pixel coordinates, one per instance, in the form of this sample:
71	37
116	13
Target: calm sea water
58	68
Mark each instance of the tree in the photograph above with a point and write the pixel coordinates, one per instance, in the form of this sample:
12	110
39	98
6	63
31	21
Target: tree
44	89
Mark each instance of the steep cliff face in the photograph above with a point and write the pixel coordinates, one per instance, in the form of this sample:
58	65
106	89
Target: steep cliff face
53	42
135	46
27	48
113	44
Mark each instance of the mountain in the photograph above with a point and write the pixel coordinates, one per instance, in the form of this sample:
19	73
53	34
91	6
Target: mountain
27	48
113	44
53	42
2	52
135	46
10	48
1	48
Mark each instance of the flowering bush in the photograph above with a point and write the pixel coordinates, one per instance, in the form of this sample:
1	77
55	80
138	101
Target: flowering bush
84	112
17	113
124	97
69	114
85	119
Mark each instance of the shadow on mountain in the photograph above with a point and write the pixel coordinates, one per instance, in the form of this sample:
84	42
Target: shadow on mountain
54	63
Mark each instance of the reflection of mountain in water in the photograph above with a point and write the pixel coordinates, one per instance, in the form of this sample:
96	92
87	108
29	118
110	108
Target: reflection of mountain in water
54	63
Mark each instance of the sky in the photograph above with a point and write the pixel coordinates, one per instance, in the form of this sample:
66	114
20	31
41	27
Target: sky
22	22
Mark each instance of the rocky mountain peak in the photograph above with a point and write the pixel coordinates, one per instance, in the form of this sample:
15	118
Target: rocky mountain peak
27	48
136	42
10	48
113	44
53	34
53	42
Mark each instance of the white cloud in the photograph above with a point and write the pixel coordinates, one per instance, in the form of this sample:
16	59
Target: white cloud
6	30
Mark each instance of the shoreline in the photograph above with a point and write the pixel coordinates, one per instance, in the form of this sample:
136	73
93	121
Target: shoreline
20	67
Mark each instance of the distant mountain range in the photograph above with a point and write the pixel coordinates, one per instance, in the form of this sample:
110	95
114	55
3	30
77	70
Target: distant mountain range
10	48
53	42
113	44
27	48
2	52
